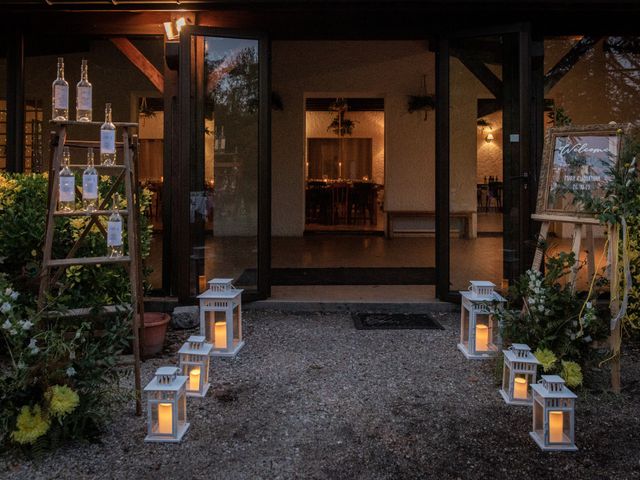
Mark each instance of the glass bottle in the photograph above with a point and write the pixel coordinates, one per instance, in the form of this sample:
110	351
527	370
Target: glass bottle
114	230
90	185
67	184
60	95
83	95
107	139
216	140
223	140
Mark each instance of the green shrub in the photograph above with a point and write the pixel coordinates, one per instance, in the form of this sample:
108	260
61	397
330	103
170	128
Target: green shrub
559	325
58	377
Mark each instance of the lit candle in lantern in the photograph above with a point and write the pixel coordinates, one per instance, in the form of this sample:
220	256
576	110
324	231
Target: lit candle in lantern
556	422
165	418
194	379
220	334
520	388
482	337
202	283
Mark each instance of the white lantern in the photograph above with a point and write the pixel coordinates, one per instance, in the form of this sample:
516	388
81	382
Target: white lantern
194	364
479	333
221	317
166	406
553	414
519	372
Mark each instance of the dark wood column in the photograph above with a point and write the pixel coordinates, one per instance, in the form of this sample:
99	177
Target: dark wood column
15	100
442	169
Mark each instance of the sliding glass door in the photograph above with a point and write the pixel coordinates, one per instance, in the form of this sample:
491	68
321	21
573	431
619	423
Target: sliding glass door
225	145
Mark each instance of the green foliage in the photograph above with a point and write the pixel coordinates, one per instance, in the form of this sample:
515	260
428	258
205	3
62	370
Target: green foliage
545	313
58	377
622	200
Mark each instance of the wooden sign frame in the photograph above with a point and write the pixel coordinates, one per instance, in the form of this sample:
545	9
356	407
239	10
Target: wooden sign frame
543	211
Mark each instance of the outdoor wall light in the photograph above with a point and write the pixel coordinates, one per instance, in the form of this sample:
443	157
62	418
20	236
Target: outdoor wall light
166	406
553	414
489	137
172	29
194	364
221	317
479	335
519	371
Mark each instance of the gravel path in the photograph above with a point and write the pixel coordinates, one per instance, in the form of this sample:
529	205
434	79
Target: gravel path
311	397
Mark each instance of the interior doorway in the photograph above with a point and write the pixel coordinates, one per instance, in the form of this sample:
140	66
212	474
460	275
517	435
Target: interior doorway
351	159
344	165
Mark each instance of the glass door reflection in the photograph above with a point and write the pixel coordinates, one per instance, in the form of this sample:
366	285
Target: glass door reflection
224	180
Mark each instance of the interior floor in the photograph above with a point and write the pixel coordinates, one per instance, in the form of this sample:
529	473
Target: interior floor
470	259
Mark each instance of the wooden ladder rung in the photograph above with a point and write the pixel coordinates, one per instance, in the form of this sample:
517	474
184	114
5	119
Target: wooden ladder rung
95	213
83	312
95	124
67	262
81	166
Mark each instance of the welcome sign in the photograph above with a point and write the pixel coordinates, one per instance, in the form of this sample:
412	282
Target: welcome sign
576	158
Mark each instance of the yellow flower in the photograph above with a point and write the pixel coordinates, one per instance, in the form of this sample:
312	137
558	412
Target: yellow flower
546	357
31	425
62	400
571	373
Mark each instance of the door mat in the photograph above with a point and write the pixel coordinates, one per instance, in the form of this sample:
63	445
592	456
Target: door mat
395	321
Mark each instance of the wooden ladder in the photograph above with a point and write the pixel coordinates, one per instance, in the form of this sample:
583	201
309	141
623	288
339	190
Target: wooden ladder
52	269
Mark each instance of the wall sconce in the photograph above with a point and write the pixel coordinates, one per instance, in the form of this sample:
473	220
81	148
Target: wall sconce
489	137
172	28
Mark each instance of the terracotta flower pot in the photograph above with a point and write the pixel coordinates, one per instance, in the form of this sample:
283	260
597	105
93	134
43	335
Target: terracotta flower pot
155	329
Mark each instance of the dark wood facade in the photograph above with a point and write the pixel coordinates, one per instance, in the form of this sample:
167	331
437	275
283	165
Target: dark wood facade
437	22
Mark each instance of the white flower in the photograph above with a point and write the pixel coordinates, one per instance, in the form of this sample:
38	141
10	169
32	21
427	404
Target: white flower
13	331
587	338
572	336
8	291
26	325
589	305
532	301
71	372
541	308
5	308
33	347
14	295
72	355
7	325
21	365
547	312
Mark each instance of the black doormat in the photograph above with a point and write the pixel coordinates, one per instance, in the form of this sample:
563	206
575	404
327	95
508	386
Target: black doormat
395	321
344	276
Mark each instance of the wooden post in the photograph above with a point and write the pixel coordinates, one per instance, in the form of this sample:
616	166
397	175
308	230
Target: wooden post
614	281
537	258
132	237
575	249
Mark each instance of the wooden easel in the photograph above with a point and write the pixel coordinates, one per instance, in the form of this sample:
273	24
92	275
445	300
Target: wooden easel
124	173
612	255
576	242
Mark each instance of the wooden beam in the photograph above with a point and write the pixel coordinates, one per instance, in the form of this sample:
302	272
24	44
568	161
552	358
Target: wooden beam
482	73
140	61
566	63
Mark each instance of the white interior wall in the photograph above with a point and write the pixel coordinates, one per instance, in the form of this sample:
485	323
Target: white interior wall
368	125
392	70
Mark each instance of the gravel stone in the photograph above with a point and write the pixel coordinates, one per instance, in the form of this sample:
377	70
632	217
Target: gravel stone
311	397
185	317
